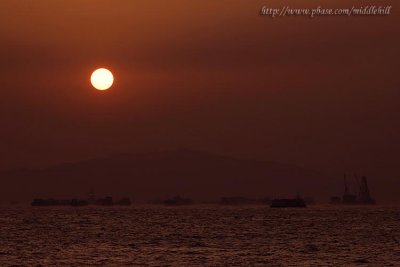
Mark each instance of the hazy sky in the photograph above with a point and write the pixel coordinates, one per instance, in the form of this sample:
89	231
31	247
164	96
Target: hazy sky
214	75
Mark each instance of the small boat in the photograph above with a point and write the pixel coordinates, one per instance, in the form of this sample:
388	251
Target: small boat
297	202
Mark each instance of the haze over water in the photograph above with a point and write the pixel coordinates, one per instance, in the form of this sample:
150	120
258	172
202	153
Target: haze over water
209	100
199	236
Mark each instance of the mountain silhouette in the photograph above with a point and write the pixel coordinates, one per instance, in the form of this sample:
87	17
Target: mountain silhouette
156	175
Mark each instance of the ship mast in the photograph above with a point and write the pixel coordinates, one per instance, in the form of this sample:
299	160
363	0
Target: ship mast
364	190
346	188
356	178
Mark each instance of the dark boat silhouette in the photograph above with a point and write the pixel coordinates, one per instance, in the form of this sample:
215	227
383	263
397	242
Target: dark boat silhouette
124	202
58	202
297	202
178	201
106	201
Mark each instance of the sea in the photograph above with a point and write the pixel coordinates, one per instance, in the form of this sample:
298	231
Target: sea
209	235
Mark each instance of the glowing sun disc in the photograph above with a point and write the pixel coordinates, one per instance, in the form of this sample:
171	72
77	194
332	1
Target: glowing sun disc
102	79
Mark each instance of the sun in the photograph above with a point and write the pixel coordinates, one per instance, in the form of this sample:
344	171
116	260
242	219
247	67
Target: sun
102	79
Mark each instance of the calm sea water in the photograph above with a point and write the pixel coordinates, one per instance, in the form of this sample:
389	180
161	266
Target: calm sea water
199	236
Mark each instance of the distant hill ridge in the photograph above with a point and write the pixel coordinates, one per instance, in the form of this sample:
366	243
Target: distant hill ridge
197	174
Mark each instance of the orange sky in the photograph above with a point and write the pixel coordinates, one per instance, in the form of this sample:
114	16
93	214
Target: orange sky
214	75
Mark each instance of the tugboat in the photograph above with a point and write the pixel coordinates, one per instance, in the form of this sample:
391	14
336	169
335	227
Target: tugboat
363	198
297	202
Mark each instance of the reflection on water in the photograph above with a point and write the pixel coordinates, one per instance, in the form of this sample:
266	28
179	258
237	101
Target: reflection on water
199	236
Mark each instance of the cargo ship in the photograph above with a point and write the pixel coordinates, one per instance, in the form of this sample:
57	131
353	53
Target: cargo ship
90	200
106	201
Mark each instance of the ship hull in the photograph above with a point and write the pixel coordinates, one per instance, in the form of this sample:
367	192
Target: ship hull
288	203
